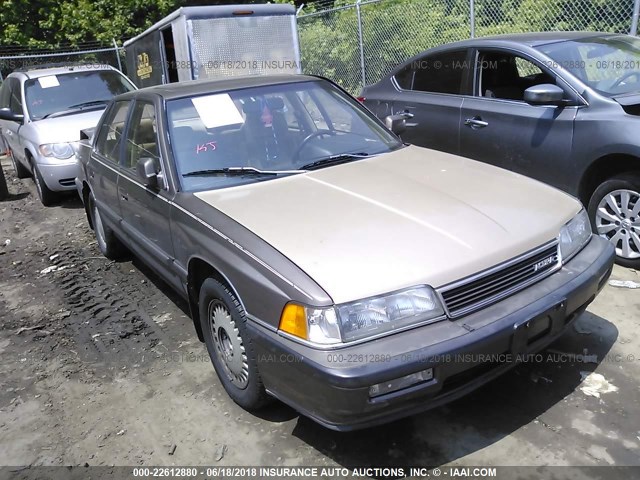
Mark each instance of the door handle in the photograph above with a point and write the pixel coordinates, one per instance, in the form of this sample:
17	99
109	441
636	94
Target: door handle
406	114
124	197
476	123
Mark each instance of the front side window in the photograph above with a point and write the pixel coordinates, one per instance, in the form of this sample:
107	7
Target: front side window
5	93
609	65
15	99
110	135
73	92
506	76
142	136
439	73
277	128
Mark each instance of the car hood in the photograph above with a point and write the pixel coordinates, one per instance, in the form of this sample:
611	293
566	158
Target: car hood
66	128
413	216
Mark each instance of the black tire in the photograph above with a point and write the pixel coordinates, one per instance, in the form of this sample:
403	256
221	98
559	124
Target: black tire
21	170
4	191
616	221
46	196
108	243
238	373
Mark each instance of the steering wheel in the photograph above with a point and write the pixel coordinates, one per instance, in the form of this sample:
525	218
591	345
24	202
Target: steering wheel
624	77
311	136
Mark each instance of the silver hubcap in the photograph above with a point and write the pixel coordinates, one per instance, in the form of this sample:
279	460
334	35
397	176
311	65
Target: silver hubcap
228	344
618	220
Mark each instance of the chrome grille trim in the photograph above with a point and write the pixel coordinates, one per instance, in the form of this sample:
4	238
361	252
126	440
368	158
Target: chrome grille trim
489	286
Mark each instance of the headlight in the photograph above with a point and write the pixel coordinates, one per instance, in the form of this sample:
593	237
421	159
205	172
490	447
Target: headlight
362	318
574	235
61	151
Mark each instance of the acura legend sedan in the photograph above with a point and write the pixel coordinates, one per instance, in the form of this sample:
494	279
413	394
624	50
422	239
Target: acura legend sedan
561	107
326	263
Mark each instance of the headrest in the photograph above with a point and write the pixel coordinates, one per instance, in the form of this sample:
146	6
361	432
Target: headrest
251	106
275	103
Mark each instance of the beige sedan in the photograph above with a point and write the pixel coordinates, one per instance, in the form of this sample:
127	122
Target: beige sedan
326	263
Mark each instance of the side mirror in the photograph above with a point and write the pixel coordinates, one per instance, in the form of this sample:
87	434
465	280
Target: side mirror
6	114
146	170
544	94
396	123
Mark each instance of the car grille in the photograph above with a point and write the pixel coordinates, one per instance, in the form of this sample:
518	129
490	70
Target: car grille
481	290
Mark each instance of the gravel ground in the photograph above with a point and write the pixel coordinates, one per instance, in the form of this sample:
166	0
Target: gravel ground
99	365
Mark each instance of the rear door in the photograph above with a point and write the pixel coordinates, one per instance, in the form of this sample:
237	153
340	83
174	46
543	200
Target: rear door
498	127
430	98
145	210
103	166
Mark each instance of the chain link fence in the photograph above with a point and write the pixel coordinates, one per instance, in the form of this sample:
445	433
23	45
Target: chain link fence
25	58
359	43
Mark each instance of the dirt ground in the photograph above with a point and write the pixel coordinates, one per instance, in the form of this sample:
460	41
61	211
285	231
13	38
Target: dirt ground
100	365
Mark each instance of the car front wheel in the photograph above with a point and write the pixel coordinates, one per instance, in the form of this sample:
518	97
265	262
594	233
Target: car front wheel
223	322
614	210
21	171
46	196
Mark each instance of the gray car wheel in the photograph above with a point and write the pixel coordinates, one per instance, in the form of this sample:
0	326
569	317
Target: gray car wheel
615	215
223	323
46	196
4	191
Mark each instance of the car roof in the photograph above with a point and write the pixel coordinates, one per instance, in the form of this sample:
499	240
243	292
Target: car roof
533	39
44	71
197	87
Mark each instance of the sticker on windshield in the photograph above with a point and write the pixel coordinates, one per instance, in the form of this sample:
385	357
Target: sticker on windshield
217	110
48	81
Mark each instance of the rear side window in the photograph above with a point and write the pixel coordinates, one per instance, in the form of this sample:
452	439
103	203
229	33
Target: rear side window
439	73
110	135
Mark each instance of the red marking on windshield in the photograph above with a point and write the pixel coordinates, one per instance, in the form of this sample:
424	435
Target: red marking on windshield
205	147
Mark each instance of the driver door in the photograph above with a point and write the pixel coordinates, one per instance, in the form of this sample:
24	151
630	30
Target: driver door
146	210
498	127
11	130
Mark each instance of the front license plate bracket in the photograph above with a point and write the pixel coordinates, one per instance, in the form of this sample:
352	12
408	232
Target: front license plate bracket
529	332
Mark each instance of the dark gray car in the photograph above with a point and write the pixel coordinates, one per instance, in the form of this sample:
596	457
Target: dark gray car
559	107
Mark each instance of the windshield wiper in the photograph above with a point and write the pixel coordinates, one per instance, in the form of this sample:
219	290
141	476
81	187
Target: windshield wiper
335	160
75	108
229	171
91	103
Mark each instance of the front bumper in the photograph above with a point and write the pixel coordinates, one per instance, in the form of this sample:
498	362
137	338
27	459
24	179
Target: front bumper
59	175
332	387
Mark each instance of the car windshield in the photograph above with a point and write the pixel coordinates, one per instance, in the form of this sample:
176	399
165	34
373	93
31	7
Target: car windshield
609	65
72	92
256	134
